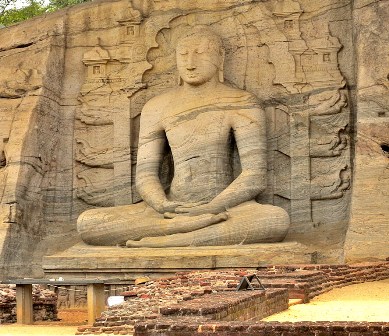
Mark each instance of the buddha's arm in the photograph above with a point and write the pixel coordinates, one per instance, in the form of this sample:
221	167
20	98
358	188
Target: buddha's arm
150	153
249	128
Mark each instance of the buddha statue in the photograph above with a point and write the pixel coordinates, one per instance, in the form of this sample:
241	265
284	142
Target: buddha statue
201	120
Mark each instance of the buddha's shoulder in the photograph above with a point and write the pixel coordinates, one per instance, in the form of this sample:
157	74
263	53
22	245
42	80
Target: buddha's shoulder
161	100
236	93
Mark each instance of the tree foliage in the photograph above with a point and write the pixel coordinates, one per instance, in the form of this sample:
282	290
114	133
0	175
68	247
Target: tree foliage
10	15
58	4
14	15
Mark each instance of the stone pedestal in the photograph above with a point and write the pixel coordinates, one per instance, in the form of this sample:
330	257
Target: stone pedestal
85	261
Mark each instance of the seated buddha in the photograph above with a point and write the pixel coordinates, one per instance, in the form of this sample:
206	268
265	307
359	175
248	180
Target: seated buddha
201	120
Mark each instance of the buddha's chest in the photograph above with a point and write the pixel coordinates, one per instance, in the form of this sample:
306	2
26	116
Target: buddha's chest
194	129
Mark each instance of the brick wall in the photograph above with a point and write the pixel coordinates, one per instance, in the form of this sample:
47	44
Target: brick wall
308	281
188	328
231	305
44	304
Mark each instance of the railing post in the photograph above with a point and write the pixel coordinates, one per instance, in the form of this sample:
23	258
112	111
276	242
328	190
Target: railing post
96	301
24	309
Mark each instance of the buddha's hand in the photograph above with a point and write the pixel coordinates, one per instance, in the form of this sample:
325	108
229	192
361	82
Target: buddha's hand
169	207
199	209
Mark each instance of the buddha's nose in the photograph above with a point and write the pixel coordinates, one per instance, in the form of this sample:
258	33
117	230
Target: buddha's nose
191	64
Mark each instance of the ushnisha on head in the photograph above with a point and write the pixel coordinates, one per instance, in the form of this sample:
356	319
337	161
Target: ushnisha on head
200	56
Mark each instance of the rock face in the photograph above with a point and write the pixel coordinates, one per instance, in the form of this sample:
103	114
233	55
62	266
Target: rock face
74	83
367	236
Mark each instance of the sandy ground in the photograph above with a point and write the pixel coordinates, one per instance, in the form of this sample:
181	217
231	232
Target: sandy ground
70	319
363	302
37	330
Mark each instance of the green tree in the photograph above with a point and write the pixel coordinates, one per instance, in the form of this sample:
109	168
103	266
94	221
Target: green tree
58	4
14	15
10	15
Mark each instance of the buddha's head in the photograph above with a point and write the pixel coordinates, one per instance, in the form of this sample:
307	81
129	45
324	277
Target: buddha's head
200	56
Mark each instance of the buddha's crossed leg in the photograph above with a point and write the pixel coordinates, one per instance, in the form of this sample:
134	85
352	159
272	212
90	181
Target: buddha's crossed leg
115	226
247	223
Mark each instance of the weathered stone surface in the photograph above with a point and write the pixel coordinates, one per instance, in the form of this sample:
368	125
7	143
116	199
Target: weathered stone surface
83	260
74	83
30	129
367	236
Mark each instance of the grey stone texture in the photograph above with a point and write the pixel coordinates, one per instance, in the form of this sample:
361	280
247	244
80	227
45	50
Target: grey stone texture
74	83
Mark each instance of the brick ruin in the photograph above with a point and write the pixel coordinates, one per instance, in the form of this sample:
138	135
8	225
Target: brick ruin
44	304
207	303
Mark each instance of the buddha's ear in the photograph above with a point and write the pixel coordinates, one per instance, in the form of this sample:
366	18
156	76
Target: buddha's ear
221	65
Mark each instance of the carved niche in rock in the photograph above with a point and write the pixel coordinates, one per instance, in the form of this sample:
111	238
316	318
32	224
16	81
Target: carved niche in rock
294	74
198	120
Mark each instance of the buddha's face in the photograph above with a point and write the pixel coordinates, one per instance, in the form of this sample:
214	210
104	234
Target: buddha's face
197	60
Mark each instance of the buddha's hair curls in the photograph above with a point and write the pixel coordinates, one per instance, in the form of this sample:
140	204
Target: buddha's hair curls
201	31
